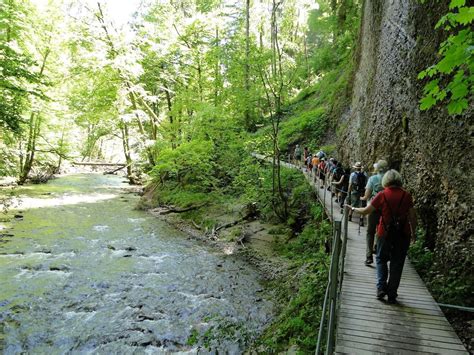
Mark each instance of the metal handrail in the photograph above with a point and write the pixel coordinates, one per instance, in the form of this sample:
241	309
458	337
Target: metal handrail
333	288
336	272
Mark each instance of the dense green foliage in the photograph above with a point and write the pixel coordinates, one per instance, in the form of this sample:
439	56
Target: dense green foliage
303	295
188	92
16	63
452	77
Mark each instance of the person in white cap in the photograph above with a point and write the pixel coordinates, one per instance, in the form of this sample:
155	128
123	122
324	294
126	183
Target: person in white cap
373	187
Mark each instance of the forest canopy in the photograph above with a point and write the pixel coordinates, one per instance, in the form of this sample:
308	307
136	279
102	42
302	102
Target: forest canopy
80	83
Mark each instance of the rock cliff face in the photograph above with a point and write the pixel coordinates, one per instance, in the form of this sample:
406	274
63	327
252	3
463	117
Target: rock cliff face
433	150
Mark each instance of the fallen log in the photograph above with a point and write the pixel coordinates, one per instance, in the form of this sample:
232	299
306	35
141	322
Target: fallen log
169	210
115	170
98	164
230	224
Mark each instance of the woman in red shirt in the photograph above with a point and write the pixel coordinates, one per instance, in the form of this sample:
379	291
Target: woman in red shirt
395	204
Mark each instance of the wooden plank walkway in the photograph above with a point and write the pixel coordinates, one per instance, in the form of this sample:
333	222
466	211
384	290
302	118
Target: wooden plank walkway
416	325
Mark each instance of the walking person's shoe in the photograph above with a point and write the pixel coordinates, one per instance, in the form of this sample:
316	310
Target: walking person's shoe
380	294
369	261
392	297
392	300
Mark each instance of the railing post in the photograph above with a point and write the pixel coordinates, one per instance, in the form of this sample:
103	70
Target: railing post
344	244
332	207
333	272
324	193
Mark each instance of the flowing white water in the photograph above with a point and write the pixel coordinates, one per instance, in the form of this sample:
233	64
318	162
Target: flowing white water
101	277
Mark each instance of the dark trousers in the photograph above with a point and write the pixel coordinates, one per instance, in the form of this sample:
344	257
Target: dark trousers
395	252
373	220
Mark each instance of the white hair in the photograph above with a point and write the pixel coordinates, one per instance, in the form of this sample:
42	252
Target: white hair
392	178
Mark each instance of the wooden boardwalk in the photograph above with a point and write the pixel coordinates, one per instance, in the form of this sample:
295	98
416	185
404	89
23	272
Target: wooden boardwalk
416	325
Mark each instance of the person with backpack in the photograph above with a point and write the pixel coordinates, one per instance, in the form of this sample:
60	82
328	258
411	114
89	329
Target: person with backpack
342	186
337	176
321	154
309	164
322	171
305	157
373	187
314	163
396	227
357	182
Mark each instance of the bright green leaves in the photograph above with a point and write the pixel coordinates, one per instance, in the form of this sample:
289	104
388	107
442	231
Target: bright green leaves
459	87
452	77
457	107
192	163
432	95
456	3
465	15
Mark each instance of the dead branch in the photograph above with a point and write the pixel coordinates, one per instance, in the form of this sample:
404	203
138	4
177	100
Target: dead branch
181	210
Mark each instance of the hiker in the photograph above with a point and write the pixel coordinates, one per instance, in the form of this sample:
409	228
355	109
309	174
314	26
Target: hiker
396	227
309	165
336	181
332	177
342	185
321	154
305	156
357	182
373	187
322	171
345	186
315	163
297	155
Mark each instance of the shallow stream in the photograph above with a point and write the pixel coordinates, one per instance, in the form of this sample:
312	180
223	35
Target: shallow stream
81	271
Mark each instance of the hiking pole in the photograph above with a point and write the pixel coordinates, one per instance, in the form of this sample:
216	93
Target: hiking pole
359	225
361	216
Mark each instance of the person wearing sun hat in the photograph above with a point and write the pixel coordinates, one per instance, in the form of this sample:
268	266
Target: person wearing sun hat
357	182
373	187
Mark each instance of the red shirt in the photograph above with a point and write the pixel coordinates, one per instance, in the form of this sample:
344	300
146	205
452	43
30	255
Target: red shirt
393	196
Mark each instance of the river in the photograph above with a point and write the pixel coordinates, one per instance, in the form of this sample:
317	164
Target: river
82	271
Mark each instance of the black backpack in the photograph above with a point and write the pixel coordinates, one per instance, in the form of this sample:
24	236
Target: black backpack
360	182
395	228
338	174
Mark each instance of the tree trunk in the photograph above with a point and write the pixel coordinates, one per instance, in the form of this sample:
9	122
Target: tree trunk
34	129
126	151
217	71
247	67
141	129
33	133
170	115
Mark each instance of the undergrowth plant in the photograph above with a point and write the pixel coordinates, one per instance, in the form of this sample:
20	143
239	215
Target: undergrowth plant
303	293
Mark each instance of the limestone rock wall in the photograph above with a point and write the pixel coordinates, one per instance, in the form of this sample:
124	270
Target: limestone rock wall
433	150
